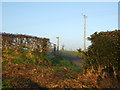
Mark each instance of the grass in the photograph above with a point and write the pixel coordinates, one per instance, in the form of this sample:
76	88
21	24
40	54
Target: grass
24	57
60	61
75	53
62	72
38	57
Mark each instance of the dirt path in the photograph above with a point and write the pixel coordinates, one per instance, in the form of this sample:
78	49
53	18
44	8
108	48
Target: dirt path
75	60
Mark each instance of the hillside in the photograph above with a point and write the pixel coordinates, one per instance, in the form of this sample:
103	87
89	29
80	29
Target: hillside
38	67
21	71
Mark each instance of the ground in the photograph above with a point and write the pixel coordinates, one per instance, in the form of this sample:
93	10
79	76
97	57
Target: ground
25	70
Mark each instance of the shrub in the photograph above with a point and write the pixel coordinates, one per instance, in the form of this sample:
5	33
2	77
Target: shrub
104	50
79	50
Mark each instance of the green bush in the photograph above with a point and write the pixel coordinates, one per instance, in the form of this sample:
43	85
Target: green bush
104	50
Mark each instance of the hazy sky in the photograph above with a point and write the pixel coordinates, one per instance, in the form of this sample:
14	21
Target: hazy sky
63	19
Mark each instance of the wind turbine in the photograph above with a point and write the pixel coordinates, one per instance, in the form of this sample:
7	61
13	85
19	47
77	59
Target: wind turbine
84	31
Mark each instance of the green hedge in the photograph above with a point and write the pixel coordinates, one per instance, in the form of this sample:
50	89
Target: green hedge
104	50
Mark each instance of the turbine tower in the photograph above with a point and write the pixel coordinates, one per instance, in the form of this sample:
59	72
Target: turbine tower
84	31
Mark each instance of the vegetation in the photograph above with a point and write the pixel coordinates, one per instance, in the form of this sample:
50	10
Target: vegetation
75	53
103	53
27	68
19	41
60	62
79	50
19	63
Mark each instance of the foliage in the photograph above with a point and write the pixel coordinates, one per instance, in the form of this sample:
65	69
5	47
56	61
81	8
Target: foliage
79	50
104	50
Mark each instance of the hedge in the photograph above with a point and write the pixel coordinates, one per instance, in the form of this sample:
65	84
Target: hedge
104	50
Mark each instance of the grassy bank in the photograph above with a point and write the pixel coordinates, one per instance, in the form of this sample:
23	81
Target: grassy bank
32	69
17	65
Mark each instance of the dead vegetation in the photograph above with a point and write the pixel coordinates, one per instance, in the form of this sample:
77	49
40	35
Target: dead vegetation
34	76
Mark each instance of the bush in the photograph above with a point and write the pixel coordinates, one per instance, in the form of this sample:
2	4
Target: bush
104	50
79	50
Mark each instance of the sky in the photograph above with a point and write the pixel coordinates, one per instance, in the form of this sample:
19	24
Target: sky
63	19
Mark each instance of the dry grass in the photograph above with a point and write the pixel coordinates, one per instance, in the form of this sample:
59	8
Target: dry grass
46	75
26	75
